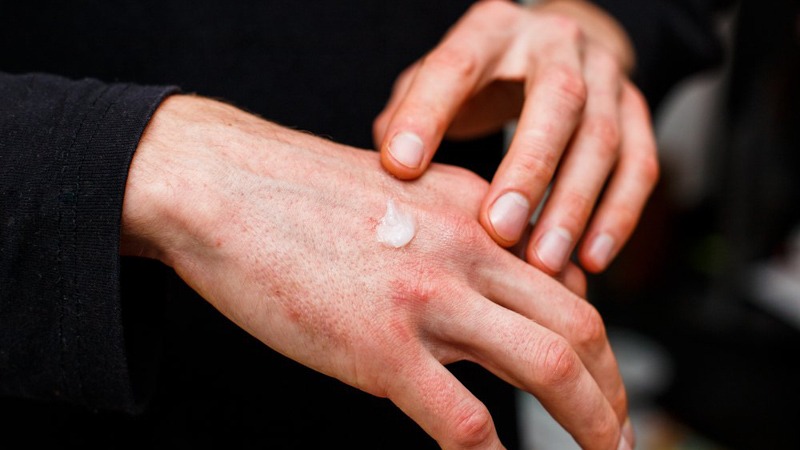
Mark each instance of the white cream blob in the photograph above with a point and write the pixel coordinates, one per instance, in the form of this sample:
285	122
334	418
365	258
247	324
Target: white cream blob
396	228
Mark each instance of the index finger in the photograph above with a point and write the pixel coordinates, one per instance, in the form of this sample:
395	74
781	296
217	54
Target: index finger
449	75
554	101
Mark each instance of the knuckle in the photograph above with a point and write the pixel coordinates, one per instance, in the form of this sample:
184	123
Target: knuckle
626	217
568	28
636	97
578	208
619	401
605	131
490	8
410	289
466	233
588	329
472	427
650	169
606	61
458	60
558	365
535	162
606	430
568	84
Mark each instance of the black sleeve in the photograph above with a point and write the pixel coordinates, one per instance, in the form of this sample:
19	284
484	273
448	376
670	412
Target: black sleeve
65	149
672	39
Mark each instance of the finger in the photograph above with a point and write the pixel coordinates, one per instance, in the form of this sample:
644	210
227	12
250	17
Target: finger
584	170
555	97
538	361
573	278
399	91
521	288
431	396
446	77
635	177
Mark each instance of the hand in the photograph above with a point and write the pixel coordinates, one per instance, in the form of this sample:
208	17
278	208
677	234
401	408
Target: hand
277	230
560	69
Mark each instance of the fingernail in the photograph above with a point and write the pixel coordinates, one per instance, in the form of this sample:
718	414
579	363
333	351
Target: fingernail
553	248
601	249
624	445
510	215
406	148
627	432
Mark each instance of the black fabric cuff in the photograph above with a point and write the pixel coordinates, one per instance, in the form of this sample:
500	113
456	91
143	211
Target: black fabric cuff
65	151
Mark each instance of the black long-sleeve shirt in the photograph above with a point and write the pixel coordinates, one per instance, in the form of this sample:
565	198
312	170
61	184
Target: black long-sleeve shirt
65	149
83	333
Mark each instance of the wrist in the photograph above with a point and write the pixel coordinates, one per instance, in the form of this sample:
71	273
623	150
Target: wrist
165	210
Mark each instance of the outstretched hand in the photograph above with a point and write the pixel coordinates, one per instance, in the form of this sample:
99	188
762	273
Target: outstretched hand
582	130
277	230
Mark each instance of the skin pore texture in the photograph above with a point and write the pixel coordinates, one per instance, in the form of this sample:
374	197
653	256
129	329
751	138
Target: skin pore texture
241	209
397	228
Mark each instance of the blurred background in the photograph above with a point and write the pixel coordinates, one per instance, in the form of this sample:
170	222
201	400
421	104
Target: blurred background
703	305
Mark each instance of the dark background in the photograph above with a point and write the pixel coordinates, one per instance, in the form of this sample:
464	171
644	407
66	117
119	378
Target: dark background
685	279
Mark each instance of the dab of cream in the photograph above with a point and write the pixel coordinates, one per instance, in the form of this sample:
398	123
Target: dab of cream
397	228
